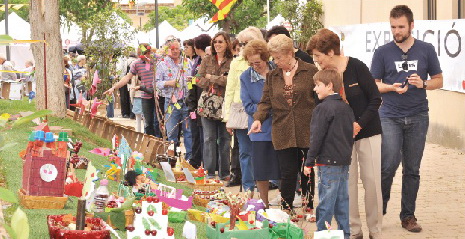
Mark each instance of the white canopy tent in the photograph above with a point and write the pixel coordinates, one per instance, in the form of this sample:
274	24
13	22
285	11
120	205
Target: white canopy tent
200	26
278	20
18	29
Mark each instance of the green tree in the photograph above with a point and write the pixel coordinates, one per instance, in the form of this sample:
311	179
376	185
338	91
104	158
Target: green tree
178	17
110	39
305	19
23	12
243	13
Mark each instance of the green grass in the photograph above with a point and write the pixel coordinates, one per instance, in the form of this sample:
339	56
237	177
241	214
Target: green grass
11	168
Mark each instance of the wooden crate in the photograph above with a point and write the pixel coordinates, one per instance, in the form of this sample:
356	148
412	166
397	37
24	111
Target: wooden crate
41	202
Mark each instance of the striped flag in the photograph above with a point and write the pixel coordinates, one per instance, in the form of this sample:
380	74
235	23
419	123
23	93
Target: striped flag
224	6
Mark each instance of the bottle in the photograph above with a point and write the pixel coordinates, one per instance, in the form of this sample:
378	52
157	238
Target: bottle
101	196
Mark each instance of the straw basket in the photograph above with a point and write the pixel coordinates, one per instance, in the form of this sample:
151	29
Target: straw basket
198	201
128	214
41	202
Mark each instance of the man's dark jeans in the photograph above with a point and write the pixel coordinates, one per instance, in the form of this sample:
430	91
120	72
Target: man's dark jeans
403	139
150	118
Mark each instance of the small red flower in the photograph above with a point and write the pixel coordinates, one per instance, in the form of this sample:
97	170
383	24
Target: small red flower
170	75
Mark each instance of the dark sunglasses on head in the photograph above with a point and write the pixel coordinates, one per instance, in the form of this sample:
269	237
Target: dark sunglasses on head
242	44
219	41
405	64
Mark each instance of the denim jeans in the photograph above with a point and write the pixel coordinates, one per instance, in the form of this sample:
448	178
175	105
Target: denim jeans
216	138
197	143
111	109
245	159
403	139
172	125
150	118
333	194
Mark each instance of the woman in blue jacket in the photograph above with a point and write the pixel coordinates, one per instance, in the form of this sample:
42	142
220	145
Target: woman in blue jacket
264	160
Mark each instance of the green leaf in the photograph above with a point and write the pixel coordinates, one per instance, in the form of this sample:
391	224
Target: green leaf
20	224
8	196
10	231
128	204
26	119
118	219
5	38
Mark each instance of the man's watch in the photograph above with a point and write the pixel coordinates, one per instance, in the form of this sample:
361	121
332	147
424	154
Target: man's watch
425	84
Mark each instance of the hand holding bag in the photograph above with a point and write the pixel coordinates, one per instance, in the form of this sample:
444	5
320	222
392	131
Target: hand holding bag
238	118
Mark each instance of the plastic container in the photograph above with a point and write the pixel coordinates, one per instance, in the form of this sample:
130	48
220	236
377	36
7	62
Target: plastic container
101	196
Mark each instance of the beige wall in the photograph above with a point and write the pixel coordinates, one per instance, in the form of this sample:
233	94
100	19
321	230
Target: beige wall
447	117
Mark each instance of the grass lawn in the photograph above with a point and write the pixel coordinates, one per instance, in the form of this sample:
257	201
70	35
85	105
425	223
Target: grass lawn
11	167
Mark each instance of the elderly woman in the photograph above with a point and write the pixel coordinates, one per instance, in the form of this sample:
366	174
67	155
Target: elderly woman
233	97
212	77
361	92
288	98
265	163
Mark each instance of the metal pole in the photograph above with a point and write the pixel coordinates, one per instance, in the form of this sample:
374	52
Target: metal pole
267	11
157	44
6	29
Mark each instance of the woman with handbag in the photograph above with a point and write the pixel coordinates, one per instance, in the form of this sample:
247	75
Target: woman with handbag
212	78
264	160
233	111
288	97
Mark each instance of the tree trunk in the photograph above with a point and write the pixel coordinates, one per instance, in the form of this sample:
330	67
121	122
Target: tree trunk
45	24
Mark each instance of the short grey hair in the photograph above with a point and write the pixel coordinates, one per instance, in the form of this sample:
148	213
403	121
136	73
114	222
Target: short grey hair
250	33
80	58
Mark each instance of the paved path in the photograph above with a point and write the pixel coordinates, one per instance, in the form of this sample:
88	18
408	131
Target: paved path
441	199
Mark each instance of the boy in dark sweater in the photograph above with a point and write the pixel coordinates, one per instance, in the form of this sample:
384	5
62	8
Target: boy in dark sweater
331	141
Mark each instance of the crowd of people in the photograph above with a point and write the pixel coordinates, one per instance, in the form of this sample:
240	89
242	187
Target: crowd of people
262	112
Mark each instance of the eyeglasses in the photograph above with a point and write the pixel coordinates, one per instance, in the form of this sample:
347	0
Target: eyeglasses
219	42
257	63
405	64
242	44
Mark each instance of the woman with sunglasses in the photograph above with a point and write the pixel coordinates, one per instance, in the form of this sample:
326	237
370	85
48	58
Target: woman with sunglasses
212	77
361	93
189	49
288	98
233	96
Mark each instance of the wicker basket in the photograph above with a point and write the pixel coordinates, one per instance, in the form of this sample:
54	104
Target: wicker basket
41	202
198	201
204	187
129	215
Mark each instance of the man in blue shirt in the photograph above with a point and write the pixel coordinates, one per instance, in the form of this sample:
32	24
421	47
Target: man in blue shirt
401	70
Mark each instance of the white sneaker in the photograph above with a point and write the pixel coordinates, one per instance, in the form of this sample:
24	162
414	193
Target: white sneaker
276	201
297	201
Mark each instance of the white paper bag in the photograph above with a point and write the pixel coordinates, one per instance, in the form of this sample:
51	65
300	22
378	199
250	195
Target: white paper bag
329	234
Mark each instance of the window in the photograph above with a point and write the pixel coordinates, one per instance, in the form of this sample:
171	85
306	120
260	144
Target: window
432	10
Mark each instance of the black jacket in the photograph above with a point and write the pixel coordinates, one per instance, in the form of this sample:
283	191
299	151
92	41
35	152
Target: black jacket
332	129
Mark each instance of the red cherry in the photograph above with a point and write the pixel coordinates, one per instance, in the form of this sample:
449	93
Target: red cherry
130	228
270	225
164	212
251	221
294	219
170	231
213	223
222	230
156	200
149	199
138	210
153	232
150	213
308	209
147	232
300	216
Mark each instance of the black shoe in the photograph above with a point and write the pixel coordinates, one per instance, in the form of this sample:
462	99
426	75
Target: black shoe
234	181
272	186
126	116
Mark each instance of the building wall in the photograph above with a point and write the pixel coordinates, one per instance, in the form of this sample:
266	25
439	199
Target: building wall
447	117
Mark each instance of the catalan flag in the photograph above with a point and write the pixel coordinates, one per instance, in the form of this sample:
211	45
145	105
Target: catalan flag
224	6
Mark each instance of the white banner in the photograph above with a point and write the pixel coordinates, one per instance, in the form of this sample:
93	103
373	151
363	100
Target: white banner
362	40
